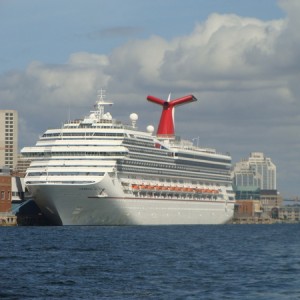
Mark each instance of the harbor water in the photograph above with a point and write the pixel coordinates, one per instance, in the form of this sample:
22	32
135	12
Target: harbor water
151	262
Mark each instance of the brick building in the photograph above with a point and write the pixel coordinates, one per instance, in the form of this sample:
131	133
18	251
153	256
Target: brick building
248	208
5	193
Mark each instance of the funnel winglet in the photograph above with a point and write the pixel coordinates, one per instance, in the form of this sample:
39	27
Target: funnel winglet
166	123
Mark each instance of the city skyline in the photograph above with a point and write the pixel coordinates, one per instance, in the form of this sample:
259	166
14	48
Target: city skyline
239	59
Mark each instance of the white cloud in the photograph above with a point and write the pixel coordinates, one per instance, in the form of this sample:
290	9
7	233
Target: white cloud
137	63
222	53
75	80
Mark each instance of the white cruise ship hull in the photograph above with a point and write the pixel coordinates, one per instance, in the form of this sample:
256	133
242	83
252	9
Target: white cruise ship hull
79	205
100	171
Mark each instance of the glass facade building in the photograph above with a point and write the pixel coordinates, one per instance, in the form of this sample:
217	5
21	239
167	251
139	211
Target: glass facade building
254	179
254	173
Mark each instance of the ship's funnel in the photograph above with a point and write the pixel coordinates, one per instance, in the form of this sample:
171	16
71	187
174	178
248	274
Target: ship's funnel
166	123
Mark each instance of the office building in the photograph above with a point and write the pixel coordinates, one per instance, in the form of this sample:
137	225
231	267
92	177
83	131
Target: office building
22	165
256	172
8	138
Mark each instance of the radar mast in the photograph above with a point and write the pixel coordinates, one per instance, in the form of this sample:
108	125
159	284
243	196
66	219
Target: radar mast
100	104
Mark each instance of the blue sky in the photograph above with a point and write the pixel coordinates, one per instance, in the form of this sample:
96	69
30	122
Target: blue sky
49	30
239	58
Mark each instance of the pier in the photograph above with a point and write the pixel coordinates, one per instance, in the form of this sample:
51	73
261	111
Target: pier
8	219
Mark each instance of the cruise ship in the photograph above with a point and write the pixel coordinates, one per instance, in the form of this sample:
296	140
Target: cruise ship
100	171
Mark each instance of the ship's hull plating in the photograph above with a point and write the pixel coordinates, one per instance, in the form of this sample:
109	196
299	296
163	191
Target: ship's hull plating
82	205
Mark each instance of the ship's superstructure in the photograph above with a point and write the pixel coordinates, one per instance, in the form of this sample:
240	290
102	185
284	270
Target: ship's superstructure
99	171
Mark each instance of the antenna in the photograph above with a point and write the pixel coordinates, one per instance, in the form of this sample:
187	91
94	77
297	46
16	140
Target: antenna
101	94
69	112
100	103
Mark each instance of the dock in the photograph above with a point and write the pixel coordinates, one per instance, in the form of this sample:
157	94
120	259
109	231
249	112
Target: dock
8	219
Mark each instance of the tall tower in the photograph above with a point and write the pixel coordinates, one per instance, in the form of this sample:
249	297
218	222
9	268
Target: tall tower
8	138
267	170
257	171
166	125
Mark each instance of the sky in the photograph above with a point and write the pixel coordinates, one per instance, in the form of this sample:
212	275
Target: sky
240	59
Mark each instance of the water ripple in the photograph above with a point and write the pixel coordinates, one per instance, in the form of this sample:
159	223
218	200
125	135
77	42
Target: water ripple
155	262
